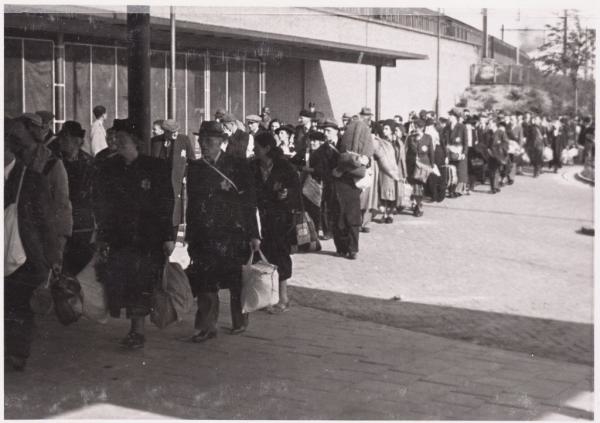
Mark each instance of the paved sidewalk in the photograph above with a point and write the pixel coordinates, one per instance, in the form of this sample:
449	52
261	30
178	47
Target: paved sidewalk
305	364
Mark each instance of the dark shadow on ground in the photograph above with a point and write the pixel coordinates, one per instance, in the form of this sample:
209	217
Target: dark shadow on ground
553	339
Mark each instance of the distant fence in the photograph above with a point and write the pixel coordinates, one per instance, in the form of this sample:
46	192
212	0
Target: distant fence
497	73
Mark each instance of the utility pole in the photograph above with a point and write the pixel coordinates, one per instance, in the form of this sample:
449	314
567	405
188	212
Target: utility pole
502	29
485	34
565	45
437	74
172	89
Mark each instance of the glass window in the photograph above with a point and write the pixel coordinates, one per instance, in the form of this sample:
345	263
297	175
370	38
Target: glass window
252	87
77	84
179	87
13	77
217	85
38	75
122	101
195	83
235	90
103	80
157	85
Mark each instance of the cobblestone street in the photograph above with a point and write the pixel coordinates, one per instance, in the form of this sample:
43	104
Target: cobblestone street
493	320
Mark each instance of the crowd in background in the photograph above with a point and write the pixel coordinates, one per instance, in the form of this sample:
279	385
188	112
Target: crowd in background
238	188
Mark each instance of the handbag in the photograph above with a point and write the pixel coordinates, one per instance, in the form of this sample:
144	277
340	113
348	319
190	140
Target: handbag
14	252
260	284
94	296
454	152
422	171
162	311
68	301
313	190
306	239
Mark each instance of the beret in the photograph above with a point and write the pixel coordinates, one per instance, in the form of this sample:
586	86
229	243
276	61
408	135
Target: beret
253	118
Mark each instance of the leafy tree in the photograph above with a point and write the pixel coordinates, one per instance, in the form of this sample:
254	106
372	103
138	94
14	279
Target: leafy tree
569	57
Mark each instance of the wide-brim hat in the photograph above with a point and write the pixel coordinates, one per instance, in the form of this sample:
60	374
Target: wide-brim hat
307	114
72	127
125	125
170	125
45	115
330	123
33	118
366	111
211	128
287	128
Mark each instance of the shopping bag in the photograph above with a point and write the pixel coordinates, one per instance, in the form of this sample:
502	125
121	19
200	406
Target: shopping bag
67	298
14	252
404	194
179	289
41	302
306	237
260	284
312	190
547	154
525	158
94	295
162	311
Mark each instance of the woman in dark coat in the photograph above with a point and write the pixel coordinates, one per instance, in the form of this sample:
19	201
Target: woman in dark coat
135	233
455	141
222	228
278	195
419	148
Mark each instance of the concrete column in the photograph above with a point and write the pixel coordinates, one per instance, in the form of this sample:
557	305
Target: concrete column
138	72
59	82
377	92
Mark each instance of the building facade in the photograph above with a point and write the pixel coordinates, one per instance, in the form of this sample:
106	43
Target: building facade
68	59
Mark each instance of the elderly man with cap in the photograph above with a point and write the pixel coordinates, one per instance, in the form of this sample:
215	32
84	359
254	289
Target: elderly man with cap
135	233
237	140
26	141
176	149
47	118
328	153
222	230
80	173
254	128
301	136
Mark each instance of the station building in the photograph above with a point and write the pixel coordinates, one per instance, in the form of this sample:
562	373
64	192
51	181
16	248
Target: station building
68	59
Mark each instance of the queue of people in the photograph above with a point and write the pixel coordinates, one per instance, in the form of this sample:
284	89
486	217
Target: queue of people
241	195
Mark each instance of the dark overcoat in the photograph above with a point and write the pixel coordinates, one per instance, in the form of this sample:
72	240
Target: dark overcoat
176	153
238	144
221	220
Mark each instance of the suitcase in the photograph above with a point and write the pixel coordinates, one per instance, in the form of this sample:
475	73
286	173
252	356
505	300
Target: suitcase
450	175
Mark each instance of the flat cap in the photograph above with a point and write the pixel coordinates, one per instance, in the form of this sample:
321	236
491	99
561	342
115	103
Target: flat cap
45	115
330	123
170	125
253	118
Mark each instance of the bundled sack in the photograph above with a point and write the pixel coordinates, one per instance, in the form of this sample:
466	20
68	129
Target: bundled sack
95	305
514	148
67	298
525	158
260	284
306	239
173	298
14	252
547	154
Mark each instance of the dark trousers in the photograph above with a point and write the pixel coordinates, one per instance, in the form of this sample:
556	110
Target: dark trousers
506	170
78	252
208	310
346	239
494	176
18	317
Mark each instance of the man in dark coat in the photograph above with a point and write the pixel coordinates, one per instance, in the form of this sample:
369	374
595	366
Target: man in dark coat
134	209
535	145
175	149
80	172
40	243
222	229
301	136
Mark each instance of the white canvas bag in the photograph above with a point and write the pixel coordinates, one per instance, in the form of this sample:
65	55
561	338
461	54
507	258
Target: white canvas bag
260	284
14	253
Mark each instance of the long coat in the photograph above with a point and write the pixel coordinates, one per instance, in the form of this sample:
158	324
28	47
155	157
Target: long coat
133	207
276	215
238	144
176	153
457	136
385	155
421	149
221	220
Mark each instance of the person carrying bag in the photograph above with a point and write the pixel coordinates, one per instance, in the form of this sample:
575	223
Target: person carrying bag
260	284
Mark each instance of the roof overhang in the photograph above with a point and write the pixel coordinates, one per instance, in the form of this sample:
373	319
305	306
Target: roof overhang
196	35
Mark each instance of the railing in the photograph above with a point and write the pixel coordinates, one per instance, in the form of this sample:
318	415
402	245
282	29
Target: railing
501	74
